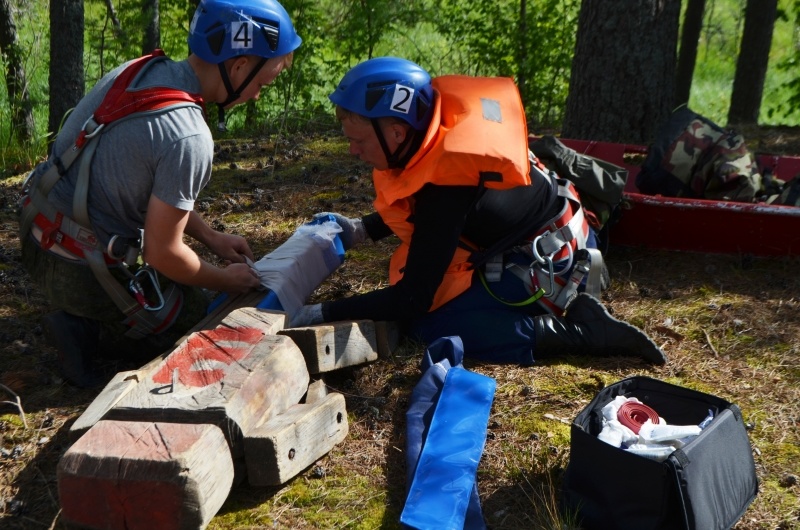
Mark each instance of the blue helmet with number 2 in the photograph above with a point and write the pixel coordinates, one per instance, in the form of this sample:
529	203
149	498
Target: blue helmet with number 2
387	87
222	29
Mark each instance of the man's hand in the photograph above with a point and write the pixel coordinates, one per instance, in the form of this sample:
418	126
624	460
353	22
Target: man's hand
353	231
230	247
308	315
241	278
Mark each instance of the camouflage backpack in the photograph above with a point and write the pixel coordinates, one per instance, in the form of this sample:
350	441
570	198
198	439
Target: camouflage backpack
785	193
694	157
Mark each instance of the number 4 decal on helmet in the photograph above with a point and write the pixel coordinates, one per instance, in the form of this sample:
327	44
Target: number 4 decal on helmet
241	35
402	98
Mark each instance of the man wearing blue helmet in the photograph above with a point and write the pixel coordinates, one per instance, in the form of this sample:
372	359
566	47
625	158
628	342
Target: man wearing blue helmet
493	246
133	191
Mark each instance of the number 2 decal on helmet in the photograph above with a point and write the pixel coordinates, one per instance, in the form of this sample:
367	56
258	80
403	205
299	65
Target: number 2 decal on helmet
402	98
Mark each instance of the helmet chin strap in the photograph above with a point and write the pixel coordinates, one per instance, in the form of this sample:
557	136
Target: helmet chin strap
395	160
233	95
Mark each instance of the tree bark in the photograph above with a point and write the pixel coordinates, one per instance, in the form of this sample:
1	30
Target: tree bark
690	36
152	31
751	66
66	59
19	101
622	85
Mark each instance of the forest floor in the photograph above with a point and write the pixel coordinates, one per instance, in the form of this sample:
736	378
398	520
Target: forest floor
729	324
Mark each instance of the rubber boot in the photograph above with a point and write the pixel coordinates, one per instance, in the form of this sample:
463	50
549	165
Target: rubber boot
587	328
76	339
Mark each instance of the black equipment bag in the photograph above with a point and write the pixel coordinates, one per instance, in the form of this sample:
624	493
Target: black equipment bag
706	485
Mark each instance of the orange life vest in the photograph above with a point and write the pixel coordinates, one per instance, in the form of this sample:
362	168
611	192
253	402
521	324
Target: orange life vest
478	136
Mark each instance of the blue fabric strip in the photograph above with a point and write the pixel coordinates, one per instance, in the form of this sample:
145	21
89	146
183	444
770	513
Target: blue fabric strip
444	479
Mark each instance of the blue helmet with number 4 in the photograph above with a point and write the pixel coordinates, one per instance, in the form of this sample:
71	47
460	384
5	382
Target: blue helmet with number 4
387	87
222	29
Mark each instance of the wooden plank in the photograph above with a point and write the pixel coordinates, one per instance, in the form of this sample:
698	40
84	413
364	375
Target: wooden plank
266	321
144	475
290	442
329	347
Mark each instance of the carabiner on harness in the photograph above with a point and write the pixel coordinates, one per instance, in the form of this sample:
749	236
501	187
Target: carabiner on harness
138	290
544	260
547	260
91	128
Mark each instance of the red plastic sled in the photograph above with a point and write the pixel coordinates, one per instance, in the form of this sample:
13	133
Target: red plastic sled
699	225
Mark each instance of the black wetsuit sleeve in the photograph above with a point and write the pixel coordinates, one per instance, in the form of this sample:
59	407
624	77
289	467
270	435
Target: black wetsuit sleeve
439	216
375	227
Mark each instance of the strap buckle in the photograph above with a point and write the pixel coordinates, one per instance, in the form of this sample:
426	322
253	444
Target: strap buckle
52	234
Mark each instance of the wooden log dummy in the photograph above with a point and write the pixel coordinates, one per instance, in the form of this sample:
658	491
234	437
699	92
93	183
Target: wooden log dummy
337	345
328	347
169	476
185	406
223	381
235	376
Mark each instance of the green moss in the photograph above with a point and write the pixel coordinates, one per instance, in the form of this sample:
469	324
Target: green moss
14	420
329	502
539	424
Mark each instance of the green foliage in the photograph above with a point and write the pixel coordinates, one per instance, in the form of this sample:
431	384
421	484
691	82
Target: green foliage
451	36
16	156
716	63
491	38
109	44
297	96
788	68
547	59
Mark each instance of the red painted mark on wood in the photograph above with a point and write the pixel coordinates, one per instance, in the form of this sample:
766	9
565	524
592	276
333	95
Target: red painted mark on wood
216	345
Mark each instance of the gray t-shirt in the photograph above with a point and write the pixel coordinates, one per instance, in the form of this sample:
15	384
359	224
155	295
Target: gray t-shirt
168	155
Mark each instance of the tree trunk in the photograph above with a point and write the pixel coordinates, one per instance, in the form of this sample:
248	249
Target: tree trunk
623	73
152	31
690	36
751	66
19	101
66	59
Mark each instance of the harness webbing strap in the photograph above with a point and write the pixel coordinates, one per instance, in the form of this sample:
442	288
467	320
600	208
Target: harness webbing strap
560	233
556	238
80	196
594	282
121	297
119	103
41	189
